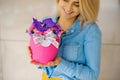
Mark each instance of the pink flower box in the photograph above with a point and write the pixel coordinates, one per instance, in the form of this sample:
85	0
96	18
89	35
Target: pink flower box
44	43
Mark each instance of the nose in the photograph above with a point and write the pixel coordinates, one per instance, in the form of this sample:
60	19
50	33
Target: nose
69	7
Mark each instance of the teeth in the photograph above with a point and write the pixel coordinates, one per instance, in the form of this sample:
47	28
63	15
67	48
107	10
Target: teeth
67	12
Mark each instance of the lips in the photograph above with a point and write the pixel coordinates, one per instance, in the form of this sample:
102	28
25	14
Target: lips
67	12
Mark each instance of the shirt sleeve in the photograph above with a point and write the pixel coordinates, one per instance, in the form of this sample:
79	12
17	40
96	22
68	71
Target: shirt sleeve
92	50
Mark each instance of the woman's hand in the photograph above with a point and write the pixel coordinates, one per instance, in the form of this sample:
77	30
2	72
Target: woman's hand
51	63
30	53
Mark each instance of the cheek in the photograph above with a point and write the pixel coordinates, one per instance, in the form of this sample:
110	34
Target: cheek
76	10
60	4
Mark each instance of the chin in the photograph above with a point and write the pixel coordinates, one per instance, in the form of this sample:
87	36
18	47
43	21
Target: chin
69	16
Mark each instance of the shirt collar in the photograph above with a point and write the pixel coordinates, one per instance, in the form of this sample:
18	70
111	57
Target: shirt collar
74	28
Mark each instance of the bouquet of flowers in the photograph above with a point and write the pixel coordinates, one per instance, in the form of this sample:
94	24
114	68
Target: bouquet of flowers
44	40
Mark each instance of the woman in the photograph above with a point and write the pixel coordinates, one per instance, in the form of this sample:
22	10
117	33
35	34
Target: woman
79	51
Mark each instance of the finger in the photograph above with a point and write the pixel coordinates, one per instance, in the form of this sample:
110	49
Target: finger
29	49
48	64
52	63
30	52
36	63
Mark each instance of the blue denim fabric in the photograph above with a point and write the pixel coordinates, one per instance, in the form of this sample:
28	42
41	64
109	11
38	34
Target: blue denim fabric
80	49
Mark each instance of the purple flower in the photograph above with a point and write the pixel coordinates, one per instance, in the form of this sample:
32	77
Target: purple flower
49	23
45	25
39	25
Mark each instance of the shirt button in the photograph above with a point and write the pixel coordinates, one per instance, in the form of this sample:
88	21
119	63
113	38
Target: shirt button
78	46
67	31
72	31
74	76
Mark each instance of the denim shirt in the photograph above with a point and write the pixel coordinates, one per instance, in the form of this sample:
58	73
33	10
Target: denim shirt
80	49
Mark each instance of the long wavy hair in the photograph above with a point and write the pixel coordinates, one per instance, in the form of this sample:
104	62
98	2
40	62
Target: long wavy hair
89	10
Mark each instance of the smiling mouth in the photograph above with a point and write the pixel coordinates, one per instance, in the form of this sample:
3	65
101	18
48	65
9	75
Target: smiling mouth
67	12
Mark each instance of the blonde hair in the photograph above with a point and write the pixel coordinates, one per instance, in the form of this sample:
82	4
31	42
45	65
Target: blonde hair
88	10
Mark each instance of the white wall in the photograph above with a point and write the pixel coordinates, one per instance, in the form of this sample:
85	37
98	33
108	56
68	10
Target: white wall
109	3
16	16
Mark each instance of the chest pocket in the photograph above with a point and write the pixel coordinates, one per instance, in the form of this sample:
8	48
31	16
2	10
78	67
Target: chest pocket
70	52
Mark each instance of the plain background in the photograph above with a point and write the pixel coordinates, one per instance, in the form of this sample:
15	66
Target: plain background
16	16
